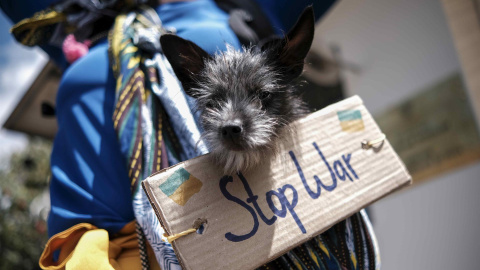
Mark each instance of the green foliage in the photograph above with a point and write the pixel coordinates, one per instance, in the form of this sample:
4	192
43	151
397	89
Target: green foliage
23	231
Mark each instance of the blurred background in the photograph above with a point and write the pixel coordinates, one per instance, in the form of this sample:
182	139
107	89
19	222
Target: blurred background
24	160
416	65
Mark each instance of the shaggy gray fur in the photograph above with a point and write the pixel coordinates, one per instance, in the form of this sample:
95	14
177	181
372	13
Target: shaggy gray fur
247	97
241	87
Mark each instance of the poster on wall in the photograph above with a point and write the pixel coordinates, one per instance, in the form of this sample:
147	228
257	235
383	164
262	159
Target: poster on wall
435	131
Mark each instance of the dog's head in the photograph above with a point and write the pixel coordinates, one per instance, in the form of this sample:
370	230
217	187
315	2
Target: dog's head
245	97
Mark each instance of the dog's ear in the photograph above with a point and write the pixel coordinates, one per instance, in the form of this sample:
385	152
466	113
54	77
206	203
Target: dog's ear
288	53
187	60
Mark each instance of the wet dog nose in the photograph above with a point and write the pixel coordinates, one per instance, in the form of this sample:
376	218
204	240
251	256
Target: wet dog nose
231	131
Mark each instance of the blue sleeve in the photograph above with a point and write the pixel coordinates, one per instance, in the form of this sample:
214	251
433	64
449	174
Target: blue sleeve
200	21
89	178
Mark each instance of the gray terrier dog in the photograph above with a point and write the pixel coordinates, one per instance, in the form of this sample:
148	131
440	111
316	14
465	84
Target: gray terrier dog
246	98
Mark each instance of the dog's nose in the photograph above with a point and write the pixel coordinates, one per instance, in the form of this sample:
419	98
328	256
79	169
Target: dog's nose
231	130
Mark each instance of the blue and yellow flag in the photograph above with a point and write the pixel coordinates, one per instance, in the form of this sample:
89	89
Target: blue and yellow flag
351	120
181	186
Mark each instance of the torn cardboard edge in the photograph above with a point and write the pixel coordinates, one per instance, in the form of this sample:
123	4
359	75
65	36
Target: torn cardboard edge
358	178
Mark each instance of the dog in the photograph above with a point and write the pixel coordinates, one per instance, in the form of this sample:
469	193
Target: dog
246	98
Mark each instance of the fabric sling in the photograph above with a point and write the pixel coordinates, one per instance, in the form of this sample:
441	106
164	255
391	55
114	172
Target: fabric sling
140	122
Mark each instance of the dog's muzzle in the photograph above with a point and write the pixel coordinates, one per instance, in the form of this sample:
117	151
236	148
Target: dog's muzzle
232	133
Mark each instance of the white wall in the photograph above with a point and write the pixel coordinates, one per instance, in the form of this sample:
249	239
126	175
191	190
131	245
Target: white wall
402	47
432	226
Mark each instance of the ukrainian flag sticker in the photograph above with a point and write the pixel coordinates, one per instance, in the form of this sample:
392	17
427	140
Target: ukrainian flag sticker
351	120
181	186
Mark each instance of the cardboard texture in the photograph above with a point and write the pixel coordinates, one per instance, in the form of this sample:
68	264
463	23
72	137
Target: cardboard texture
321	176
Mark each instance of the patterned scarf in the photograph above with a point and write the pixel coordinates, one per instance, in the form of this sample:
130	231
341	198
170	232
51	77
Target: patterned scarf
153	118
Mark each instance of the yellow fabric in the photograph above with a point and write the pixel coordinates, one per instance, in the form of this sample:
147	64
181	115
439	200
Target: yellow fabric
84	246
94	246
32	31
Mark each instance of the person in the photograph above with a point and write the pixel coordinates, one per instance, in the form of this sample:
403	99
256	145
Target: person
91	190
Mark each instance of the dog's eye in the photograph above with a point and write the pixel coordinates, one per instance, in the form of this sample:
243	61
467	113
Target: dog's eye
210	104
264	95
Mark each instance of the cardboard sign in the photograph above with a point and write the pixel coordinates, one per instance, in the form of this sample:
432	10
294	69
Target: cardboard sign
322	176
